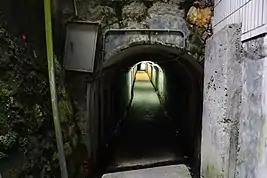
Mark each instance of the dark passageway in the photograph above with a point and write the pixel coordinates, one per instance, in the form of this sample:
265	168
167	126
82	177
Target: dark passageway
149	122
147	136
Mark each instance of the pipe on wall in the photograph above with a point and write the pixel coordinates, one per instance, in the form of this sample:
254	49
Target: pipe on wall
53	90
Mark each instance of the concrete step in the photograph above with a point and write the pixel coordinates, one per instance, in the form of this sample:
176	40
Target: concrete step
172	171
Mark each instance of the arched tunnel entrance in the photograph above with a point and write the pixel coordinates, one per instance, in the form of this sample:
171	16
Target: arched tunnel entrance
152	114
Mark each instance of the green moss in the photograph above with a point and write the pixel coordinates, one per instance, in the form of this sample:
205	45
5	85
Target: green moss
62	91
211	171
38	113
65	111
7	141
58	68
196	45
6	89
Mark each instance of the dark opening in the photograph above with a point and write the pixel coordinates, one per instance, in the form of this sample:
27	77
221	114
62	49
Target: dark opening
151	125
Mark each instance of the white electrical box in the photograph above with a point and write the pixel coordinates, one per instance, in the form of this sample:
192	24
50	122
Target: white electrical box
80	46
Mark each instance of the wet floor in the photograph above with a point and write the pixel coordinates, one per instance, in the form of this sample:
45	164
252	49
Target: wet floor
147	138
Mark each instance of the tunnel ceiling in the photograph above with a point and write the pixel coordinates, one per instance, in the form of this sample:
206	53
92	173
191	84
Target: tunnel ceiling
159	54
176	64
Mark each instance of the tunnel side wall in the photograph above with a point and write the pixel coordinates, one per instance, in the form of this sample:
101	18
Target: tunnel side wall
181	101
107	104
157	77
125	93
158	80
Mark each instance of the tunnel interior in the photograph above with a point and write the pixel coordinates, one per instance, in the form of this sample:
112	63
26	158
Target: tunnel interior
153	105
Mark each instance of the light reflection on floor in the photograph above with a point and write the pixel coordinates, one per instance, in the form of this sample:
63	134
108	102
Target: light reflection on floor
147	136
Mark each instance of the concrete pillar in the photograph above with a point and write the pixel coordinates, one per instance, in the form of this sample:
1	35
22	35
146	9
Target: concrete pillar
221	103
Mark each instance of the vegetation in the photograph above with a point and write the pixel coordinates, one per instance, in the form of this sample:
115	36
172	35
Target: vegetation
26	123
24	91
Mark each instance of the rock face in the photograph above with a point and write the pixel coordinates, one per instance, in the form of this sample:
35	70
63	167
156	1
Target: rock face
134	11
199	16
160	8
27	140
133	15
128	14
167	14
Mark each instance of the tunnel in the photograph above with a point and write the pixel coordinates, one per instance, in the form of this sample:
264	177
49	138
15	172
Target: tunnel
150	105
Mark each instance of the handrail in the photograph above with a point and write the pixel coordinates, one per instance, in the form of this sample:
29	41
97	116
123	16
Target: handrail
53	90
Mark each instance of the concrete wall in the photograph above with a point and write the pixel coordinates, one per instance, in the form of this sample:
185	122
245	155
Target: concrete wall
158	80
222	103
252	138
234	112
251	155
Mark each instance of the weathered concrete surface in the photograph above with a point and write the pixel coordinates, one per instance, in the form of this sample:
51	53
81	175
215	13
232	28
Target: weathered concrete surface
222	103
235	146
116	42
175	171
252	158
160	16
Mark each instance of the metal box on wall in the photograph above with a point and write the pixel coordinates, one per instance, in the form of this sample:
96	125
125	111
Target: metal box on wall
80	46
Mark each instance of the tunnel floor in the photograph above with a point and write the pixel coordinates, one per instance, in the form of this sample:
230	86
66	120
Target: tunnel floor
148	137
